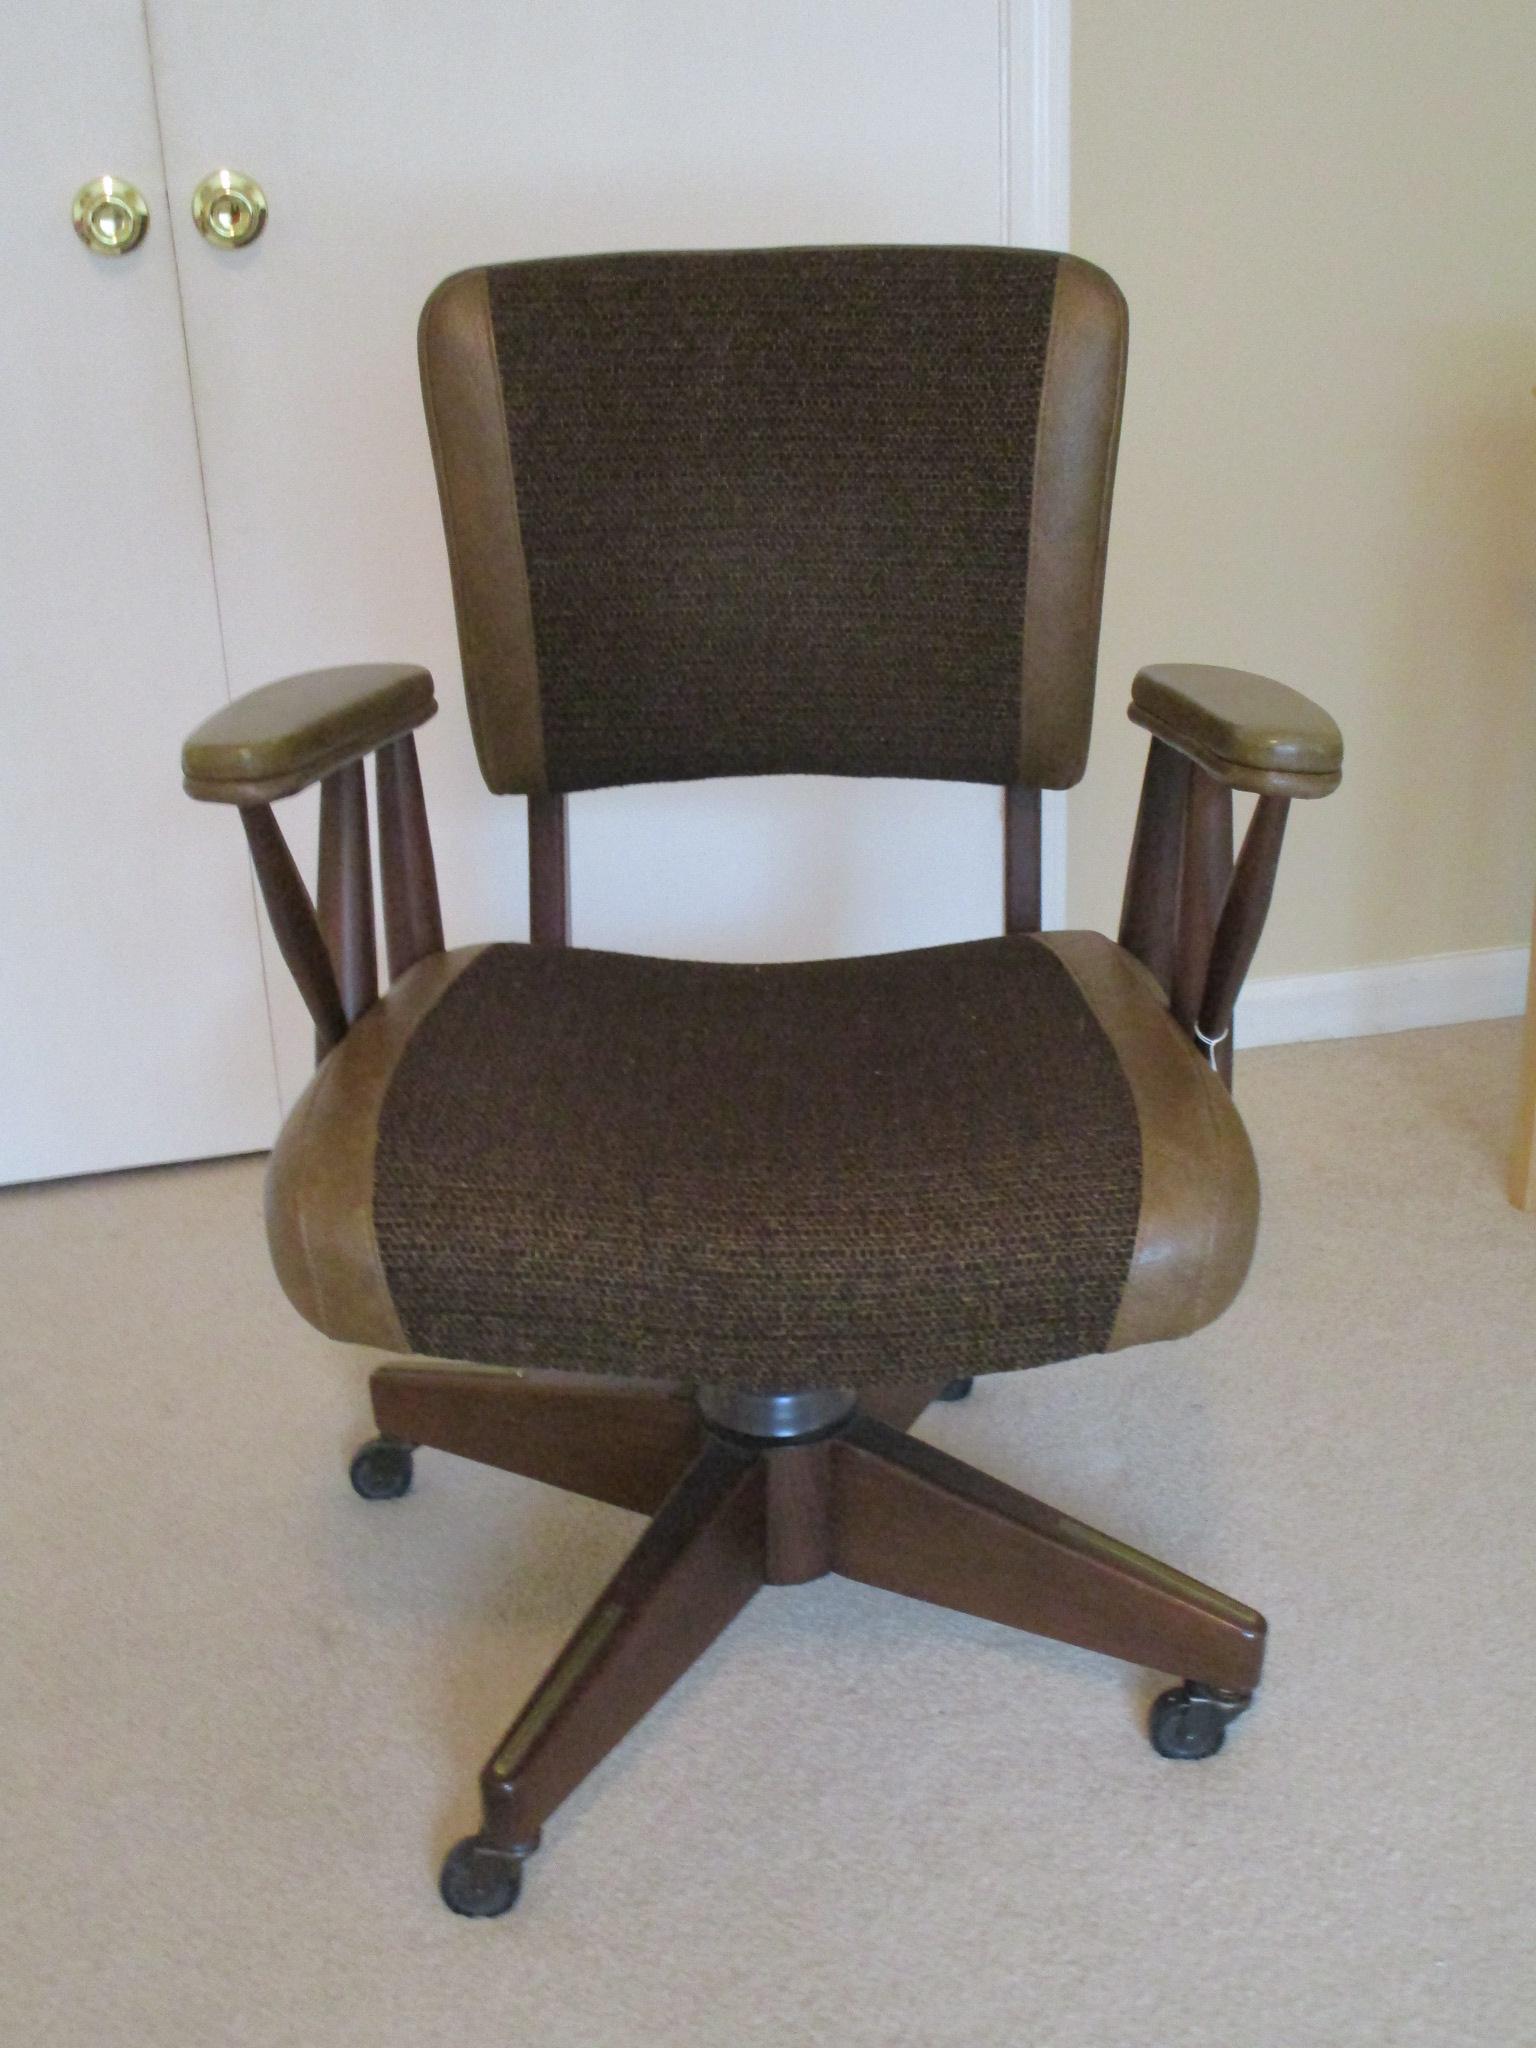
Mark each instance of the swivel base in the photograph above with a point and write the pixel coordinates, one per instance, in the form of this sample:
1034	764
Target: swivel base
747	1490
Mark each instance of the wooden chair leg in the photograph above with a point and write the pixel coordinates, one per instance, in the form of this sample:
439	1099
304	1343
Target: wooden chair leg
865	1500
692	1572
911	1519
616	1441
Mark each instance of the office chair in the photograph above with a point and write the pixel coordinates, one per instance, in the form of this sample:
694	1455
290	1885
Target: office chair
703	1240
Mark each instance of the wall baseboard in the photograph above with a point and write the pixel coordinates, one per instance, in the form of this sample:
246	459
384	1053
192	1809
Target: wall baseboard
1402	995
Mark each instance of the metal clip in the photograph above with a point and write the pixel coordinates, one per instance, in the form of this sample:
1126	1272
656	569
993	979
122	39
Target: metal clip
1211	1044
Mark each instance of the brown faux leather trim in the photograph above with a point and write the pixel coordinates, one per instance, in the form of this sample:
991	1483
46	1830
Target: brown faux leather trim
1237	774
1075	445
277	739
320	1179
466	420
1200	1186
1241	717
269	789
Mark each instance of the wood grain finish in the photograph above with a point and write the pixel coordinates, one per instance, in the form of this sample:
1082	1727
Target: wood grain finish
622	1441
294	924
549	872
1021	859
1205	873
915	1521
800	1537
731	1515
690	1575
1191	917
1149	917
413	919
344	894
615	1442
1242	917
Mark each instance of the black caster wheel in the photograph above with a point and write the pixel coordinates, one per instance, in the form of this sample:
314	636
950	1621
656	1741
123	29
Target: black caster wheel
957	1390
382	1469
479	1881
1189	1722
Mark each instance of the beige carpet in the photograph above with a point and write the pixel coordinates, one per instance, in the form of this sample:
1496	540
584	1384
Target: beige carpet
243	1711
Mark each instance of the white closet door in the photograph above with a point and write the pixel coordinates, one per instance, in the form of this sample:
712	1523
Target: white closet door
133	1025
398	144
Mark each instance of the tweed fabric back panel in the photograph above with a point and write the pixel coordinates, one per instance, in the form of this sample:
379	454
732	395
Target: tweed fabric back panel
775	506
827	1173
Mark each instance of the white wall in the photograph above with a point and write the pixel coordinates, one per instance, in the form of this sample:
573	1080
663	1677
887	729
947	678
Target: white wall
1321	214
505	130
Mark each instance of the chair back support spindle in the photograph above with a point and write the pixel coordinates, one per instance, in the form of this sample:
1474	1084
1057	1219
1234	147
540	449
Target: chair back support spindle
1021	859
549	872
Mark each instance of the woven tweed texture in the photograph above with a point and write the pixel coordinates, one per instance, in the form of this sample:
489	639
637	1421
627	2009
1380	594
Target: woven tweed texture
775	506
915	1165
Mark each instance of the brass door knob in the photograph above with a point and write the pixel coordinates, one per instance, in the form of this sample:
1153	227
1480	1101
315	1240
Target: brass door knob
110	216
230	210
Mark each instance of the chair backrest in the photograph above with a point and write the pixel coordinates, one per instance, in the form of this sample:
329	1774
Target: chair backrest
820	511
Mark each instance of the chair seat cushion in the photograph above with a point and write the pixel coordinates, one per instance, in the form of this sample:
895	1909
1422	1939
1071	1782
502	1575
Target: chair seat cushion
918	1165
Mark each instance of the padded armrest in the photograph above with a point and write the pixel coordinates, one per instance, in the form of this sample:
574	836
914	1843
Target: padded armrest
1245	730
280	738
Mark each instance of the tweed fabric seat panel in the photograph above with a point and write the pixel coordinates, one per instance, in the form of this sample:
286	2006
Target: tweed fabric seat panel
775	506
911	1165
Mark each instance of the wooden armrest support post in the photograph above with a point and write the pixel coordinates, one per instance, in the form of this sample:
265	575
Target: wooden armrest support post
1149	921
1190	916
295	925
1205	876
413	921
317	728
1241	924
344	895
